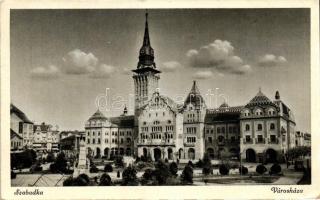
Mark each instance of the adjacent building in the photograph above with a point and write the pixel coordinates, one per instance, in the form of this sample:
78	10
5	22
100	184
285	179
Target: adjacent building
303	139
107	137
46	138
20	125
16	141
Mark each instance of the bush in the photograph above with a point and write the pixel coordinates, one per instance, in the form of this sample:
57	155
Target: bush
199	163
68	181
243	170
166	160
187	175
94	169
24	159
261	169
206	165
161	173
60	165
50	157
275	169
13	175
224	169
108	168
81	180
118	161
138	159
105	180
191	164
173	167
147	177
129	176
298	165
85	177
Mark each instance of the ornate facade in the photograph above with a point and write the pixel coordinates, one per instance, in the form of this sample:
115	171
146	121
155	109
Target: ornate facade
106	137
262	130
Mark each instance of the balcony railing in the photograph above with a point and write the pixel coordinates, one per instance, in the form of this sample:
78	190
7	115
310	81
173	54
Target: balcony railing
275	141
156	142
247	141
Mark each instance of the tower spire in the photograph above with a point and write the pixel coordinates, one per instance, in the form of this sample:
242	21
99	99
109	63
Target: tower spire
146	55
146	39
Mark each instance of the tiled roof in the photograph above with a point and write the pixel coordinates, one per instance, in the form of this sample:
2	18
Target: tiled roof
97	115
124	121
223	113
260	100
43	127
20	114
233	109
194	97
14	134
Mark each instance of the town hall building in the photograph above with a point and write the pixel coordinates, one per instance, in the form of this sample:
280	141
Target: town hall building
262	130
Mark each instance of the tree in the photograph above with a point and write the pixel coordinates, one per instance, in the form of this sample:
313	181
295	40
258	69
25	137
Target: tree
129	176
60	165
173	168
105	180
224	169
191	164
298	152
119	161
206	165
147	177
187	175
50	157
161	173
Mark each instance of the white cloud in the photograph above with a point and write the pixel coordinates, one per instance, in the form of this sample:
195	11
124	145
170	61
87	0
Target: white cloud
219	56
50	72
270	60
102	71
170	66
203	74
79	62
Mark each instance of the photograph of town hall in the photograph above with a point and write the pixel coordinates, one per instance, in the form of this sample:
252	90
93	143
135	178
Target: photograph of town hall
160	97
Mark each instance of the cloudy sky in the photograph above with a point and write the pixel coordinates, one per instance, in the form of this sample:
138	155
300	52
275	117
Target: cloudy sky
62	61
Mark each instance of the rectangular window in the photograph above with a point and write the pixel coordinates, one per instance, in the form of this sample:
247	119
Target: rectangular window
88	141
210	140
230	129
20	127
272	138
248	138
218	130
260	138
93	141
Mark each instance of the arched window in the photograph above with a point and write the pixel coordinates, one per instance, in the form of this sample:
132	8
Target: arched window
259	127
272	126
247	127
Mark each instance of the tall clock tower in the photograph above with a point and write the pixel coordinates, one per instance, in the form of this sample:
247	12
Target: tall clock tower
146	76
